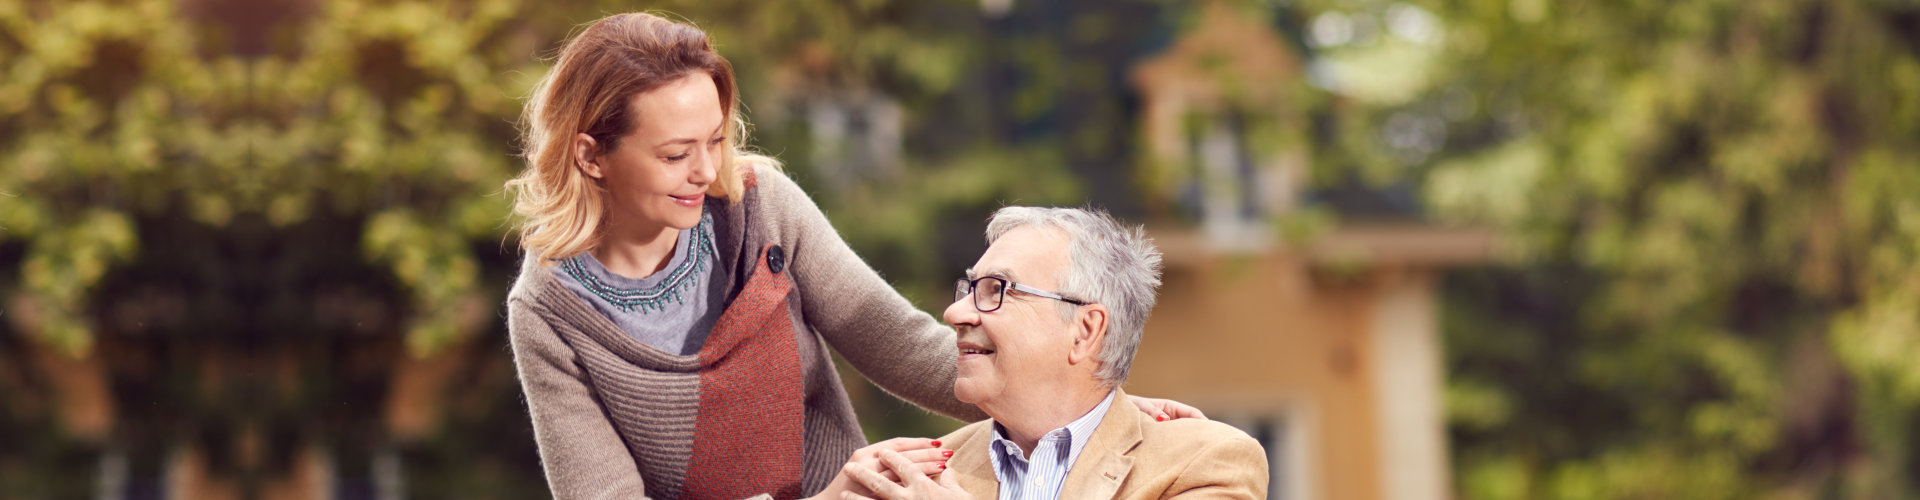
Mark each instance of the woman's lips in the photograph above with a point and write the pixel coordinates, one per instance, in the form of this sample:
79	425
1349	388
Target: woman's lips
687	201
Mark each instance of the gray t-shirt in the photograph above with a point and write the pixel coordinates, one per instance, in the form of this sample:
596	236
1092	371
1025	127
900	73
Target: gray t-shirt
673	309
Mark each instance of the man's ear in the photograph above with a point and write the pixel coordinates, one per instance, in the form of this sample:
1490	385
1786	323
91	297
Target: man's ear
1089	331
586	155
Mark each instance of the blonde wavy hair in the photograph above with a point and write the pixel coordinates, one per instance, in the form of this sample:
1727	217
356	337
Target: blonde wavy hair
563	210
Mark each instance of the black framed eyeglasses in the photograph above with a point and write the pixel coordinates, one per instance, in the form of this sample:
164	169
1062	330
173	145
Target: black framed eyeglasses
989	291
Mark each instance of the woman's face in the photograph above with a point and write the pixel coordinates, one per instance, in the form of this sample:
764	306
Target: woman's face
658	174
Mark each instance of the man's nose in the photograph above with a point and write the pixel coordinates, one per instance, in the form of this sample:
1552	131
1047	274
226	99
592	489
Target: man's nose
962	312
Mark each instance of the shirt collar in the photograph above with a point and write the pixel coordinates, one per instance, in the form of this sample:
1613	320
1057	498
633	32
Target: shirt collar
1076	431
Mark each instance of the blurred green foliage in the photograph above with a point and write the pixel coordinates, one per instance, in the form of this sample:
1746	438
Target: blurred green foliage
1711	204
1713	291
237	206
123	109
259	214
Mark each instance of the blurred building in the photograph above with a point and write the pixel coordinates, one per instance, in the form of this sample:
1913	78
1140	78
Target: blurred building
1319	338
1323	343
1327	353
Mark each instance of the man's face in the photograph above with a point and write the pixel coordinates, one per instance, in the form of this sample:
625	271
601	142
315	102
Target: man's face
1024	344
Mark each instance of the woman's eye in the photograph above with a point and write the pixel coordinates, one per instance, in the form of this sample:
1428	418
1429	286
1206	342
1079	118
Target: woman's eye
716	141
678	157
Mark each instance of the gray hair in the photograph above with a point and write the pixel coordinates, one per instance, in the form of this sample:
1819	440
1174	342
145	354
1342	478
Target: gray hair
1108	263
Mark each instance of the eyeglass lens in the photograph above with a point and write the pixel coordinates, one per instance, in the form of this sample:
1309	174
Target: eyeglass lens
987	292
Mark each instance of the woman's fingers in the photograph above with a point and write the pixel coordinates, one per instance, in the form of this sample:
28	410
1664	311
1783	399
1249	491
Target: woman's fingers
1165	409
916	457
912	473
947	481
924	461
931	460
903	444
926	468
873	481
928	455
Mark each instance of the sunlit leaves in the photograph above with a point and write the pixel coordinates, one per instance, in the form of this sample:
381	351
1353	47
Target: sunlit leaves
1737	176
397	112
61	266
98	109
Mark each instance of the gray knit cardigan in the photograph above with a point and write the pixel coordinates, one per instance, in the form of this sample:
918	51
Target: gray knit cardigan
573	361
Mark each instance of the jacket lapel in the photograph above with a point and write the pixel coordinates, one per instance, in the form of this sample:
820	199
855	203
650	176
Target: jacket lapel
1104	463
975	468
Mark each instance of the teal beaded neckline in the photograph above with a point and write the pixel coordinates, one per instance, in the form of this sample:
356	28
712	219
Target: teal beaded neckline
670	290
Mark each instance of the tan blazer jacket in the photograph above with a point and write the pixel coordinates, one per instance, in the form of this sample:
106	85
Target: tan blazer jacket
1132	456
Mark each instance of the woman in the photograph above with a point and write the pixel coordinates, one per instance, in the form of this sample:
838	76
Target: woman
669	317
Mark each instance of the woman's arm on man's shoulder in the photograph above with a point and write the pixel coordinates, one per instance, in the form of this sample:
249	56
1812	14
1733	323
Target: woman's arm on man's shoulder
898	347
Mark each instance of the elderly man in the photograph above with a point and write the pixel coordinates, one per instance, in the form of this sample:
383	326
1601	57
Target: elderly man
1048	322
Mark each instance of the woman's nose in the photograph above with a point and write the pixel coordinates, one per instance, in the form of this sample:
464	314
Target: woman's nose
704	167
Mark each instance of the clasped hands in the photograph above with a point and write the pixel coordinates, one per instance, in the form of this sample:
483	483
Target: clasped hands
896	469
876	471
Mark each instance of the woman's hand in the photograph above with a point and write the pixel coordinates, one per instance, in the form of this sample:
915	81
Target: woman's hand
915	486
1165	409
922	456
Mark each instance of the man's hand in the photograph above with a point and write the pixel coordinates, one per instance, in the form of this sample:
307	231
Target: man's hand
923	454
1165	409
915	486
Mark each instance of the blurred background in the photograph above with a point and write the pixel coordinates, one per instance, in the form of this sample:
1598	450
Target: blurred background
1421	249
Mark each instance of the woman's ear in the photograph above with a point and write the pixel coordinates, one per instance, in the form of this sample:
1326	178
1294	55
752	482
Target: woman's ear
586	155
1089	331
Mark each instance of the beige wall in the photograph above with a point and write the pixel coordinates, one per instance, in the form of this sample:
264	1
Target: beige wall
1346	356
1240	336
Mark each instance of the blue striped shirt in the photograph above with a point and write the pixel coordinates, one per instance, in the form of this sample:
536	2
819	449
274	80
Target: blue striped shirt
1039	478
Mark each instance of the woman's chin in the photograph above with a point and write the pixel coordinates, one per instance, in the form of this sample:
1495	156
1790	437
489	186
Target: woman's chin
686	222
680	218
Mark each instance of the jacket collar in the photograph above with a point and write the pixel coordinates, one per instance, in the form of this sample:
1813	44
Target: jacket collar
974	466
1098	473
1103	465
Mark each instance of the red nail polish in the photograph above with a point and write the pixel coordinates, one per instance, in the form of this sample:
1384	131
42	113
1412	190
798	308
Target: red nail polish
946	453
936	443
1161	418
943	466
